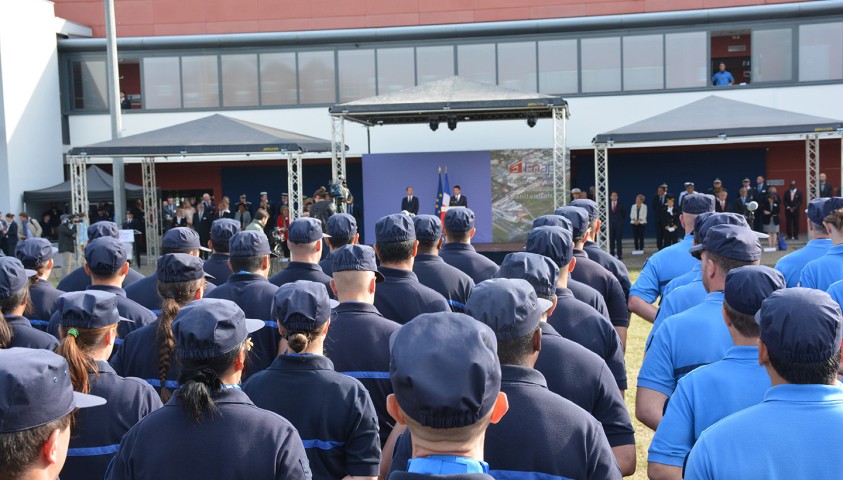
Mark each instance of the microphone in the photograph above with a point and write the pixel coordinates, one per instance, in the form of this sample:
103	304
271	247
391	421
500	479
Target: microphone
752	206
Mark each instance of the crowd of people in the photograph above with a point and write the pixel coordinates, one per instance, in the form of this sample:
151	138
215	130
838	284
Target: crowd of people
418	357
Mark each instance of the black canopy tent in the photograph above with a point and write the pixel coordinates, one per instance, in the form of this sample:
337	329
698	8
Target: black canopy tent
708	121
213	138
100	189
453	100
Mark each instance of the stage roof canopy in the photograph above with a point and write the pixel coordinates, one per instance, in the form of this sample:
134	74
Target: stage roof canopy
100	189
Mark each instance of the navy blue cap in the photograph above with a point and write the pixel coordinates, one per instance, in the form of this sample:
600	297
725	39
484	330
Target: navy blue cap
509	306
305	230
459	219
30	376
748	286
538	270
302	306
342	226
249	243
705	221
589	205
180	267
35	251
13	277
394	228
89	309
428	228
103	229
578	217
730	241
553	221
555	243
182	238
223	229
105	255
211	327
359	258
816	212
800	325
833	204
438	383
697	203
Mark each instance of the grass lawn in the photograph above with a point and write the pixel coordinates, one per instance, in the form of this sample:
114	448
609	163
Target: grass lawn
636	336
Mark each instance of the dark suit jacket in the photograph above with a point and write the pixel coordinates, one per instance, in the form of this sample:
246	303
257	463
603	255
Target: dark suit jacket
826	191
726	208
774	209
202	225
671	220
412	207
656	207
793	202
618	217
463	201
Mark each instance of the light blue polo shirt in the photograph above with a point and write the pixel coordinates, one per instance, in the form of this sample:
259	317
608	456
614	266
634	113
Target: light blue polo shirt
683	279
688	340
662	267
791	265
823	271
681	299
836	292
703	398
794	433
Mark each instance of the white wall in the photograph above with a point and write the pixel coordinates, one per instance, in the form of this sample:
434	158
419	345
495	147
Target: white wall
30	114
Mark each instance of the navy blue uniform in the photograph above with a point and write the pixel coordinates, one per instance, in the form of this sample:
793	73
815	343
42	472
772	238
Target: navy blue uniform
463	257
138	357
400	297
145	292
24	335
426	476
239	441
78	280
578	322
610	263
128	309
99	430
302	271
592	274
332	413
358	344
590	296
327	268
451	283
44	302
579	375
217	266
253	294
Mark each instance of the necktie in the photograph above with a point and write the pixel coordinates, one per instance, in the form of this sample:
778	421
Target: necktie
614	206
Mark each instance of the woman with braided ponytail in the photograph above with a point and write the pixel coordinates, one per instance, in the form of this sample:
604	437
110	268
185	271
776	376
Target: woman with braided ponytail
150	351
210	428
89	330
15	329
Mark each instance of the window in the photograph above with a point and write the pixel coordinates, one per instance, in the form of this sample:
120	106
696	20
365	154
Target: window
558	66
161	83
357	74
434	63
643	62
316	77
517	66
820	52
601	64
200	81
772	55
239	80
278	79
396	69
477	62
685	56
90	89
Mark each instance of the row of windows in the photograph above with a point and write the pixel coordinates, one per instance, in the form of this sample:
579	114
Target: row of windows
563	66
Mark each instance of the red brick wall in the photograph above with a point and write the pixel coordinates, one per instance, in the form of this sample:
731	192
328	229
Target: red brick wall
192	17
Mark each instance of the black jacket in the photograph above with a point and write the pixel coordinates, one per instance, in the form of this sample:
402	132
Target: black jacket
67	237
774	209
410	206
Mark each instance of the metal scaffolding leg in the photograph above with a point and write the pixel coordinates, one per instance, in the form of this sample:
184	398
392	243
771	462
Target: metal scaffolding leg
601	192
812	166
561	163
294	186
337	148
151	207
79	186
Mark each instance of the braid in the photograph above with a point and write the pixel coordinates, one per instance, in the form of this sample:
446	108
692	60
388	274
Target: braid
175	295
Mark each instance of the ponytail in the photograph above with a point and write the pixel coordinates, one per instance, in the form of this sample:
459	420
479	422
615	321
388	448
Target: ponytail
175	296
75	342
5	333
200	379
298	340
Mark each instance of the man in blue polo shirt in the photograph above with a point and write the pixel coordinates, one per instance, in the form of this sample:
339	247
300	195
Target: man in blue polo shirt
737	381
304	239
791	265
607	261
458	251
827	269
217	263
669	263
342	230
795	431
432	270
696	336
401	297
722	77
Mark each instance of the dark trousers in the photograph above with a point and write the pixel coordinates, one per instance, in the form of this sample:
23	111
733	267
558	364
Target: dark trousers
792	219
616	240
660	232
670	237
638	236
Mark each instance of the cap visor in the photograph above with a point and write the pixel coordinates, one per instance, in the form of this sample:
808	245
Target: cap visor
29	273
273	254
379	277
205	249
253	325
55	250
761	235
544	304
208	275
325	235
696	251
124	319
758	317
83	400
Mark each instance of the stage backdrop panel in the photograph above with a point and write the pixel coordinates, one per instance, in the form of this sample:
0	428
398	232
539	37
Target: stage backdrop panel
387	175
522	189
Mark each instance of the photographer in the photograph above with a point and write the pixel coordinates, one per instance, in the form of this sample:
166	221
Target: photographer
67	242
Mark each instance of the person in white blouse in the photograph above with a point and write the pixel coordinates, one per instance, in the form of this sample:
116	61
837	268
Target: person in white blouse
638	219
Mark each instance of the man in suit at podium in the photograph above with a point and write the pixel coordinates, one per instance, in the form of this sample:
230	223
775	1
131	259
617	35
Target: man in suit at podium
410	202
458	199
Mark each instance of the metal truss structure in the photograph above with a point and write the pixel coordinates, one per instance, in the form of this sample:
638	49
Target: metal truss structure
151	207
601	192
